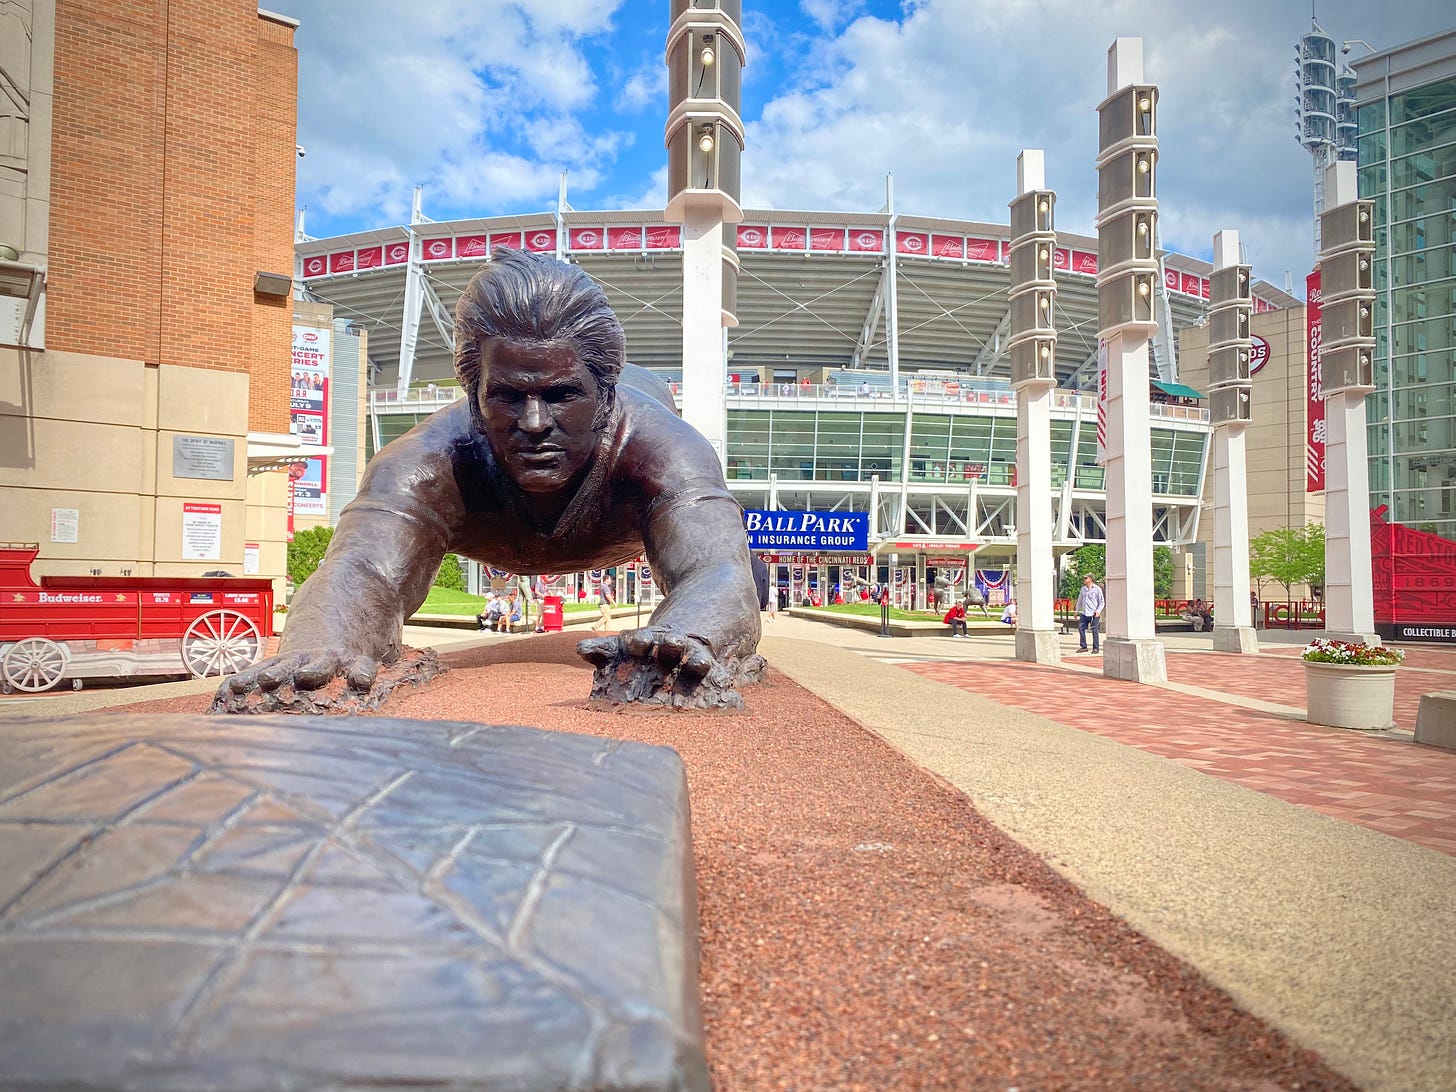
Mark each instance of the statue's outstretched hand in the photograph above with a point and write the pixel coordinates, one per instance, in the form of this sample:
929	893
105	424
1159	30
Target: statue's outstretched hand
661	665
320	681
669	648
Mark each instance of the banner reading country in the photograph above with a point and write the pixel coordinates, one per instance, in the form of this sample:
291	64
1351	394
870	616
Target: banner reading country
804	532
1314	436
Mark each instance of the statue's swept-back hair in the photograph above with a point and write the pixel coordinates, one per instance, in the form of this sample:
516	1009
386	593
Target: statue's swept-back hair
532	297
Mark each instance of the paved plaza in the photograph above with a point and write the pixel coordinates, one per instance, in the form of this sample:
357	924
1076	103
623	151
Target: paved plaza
1307	871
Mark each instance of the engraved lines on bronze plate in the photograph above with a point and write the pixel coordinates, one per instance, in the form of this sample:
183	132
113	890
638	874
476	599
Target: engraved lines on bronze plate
270	839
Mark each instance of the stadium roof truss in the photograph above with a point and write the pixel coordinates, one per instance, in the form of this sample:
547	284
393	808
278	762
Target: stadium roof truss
814	290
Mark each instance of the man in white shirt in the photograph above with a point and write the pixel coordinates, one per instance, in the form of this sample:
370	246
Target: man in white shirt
1090	604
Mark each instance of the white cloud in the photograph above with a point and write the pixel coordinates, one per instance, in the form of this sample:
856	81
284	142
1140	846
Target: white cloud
644	87
945	97
478	99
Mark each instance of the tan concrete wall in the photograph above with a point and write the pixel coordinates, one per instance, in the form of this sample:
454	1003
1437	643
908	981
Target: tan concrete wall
266	523
1274	438
94	434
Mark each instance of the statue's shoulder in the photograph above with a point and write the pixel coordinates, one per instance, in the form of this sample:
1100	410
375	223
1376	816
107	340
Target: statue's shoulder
432	448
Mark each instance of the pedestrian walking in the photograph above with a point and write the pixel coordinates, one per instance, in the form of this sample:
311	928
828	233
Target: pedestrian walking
1090	605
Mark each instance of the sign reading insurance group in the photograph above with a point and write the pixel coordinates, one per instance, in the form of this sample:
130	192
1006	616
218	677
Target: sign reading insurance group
807	531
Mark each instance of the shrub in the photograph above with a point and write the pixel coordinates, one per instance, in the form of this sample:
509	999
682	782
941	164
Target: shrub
306	551
1324	651
451	576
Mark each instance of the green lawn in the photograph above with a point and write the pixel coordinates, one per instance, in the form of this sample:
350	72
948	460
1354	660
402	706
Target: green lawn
870	610
442	601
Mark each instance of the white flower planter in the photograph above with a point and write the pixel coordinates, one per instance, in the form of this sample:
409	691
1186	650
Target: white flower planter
1350	695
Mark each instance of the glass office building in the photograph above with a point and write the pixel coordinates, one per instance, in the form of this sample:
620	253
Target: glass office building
1406	107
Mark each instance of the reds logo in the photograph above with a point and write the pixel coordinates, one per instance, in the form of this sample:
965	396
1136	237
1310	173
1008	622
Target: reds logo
541	240
1170	278
1258	354
398	253
751	236
313	266
865	239
1061	258
439	248
913	243
588	238
310	336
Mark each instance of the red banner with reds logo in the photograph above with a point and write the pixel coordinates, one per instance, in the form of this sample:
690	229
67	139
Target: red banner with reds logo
541	241
1170	279
1314	437
912	242
315	266
396	254
866	241
826	238
983	250
752	237
435	250
664	237
587	238
1062	258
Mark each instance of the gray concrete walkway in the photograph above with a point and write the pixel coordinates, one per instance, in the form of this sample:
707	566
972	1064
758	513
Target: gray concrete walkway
1342	937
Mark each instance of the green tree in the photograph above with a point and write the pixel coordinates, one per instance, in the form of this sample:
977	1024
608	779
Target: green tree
1314	550
306	551
1289	556
451	576
1084	560
1162	572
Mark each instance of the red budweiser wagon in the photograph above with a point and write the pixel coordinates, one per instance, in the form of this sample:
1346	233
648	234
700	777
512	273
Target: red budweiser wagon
87	627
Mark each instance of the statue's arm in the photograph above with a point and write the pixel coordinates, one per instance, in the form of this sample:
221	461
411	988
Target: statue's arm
692	533
382	559
346	619
697	546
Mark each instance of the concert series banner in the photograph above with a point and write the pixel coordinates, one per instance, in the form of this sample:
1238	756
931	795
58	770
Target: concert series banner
309	417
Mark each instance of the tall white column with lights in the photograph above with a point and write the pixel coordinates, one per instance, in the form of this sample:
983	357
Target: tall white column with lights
1033	346
1126	284
1229	355
704	138
1347	371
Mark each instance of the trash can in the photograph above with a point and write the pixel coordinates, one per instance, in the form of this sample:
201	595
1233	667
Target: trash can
551	613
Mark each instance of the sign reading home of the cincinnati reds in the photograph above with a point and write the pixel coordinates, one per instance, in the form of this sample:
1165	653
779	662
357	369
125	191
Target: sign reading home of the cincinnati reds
838	531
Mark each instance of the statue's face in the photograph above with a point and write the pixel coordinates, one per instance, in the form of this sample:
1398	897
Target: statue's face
539	403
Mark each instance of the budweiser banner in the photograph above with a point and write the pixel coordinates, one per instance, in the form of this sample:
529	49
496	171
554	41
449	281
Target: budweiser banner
1314	437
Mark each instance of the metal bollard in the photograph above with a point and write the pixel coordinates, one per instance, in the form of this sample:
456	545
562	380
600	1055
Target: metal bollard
884	617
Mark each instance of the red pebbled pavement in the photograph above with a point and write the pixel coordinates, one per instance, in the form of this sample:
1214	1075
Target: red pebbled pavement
863	927
1381	782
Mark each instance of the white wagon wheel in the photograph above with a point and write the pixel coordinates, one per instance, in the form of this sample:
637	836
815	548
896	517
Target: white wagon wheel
220	642
33	665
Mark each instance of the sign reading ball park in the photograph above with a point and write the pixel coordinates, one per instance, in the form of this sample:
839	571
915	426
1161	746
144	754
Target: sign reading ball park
803	532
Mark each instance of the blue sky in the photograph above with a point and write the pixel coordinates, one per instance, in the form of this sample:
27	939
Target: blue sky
484	103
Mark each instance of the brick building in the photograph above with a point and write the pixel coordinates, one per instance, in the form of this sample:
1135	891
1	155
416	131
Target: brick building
147	157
